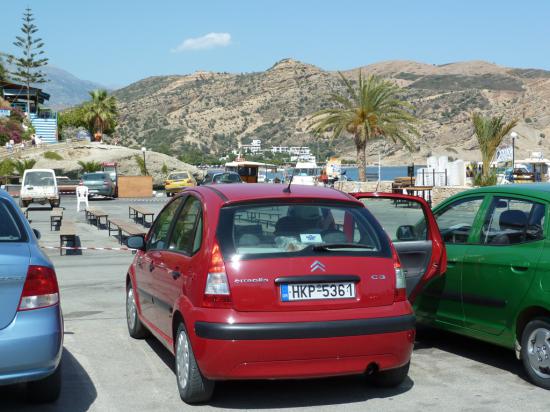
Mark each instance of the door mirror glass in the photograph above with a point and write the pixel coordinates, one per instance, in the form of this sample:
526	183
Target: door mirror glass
402	219
136	242
37	233
405	233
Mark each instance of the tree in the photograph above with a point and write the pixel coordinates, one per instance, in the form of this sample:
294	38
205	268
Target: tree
164	169
28	65
490	131
3	71
6	167
21	165
141	164
89	167
101	112
371	109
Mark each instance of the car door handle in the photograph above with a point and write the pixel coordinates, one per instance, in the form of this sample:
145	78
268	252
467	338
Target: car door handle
452	262
519	268
175	274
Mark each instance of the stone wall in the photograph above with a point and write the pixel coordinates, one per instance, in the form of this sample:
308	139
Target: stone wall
440	193
374	186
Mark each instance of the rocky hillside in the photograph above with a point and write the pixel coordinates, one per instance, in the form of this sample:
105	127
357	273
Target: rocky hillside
216	111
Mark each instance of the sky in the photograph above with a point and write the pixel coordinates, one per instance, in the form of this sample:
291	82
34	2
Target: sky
117	42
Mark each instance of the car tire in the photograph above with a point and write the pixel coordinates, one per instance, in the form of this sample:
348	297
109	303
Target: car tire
535	351
390	378
45	390
136	329
193	387
24	203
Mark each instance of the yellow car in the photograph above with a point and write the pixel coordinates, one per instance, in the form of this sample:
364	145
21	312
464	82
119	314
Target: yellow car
177	181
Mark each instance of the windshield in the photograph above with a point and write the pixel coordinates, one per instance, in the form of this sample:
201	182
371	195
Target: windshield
227	178
95	176
179	176
299	229
11	227
39	179
306	172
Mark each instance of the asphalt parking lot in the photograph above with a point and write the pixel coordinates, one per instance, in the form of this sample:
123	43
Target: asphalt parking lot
105	370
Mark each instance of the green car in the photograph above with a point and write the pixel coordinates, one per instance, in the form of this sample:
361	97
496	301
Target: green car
497	284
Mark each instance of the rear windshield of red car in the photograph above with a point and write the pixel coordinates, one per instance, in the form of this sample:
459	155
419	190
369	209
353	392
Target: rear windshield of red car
276	229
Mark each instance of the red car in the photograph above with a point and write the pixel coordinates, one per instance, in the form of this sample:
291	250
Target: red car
269	282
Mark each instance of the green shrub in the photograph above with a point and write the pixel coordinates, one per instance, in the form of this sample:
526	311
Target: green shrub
52	155
490	180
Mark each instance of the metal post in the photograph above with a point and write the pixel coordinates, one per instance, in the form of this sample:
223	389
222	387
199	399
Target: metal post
433	177
423	184
513	156
445	177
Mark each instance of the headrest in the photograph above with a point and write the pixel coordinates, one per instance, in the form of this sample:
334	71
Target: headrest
305	212
513	219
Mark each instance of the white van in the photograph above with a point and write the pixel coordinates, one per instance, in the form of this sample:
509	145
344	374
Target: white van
39	186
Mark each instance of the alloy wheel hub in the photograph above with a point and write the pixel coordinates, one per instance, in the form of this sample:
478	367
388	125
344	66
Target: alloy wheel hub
182	359
539	352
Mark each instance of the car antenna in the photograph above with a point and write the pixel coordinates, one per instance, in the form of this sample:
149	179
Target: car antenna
287	189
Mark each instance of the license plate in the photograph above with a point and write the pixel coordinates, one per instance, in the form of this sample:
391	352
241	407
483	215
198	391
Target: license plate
317	291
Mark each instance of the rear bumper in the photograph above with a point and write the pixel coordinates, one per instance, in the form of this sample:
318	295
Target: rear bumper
304	330
31	346
302	349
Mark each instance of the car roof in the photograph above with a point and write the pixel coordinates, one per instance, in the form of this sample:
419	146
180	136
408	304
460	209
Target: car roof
265	191
541	190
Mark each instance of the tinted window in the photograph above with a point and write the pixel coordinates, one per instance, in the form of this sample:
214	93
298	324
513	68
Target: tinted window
512	221
158	236
39	179
285	230
456	220
11	227
186	229
402	220
95	176
179	176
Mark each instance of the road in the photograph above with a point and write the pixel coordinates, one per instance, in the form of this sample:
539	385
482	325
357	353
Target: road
105	370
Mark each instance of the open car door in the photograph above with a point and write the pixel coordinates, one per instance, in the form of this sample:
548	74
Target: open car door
411	226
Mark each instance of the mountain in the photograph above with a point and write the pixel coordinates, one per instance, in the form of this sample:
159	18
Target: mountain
217	111
65	89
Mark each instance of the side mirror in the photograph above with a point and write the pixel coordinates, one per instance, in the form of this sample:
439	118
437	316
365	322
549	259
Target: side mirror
405	232
37	233
136	242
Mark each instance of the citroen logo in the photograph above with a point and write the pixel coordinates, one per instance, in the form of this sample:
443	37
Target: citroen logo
317	266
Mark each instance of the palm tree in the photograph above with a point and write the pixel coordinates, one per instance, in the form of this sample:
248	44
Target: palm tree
490	131
371	109
89	167
6	167
21	165
101	112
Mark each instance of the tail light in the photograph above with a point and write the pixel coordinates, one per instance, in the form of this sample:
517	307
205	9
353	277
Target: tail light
400	281
216	291
40	289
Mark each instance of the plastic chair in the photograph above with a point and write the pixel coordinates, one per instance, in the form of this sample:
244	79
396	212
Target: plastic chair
81	196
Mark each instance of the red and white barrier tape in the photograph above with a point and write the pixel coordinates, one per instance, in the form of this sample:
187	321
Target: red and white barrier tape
87	248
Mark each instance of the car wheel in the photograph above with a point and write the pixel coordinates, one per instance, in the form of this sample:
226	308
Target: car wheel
390	378
535	351
45	390
135	327
24	203
193	387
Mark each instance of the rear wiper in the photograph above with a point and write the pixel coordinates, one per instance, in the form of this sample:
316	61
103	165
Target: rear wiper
330	246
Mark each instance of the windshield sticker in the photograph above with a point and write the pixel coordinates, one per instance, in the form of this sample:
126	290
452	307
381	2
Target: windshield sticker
311	238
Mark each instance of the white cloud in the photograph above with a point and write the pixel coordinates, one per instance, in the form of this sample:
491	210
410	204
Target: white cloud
208	41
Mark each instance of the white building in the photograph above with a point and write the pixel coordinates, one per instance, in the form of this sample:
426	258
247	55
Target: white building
254	147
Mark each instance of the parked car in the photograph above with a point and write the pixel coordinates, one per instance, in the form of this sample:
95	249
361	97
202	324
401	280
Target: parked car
99	184
497	285
177	181
258	282
31	323
215	178
39	186
66	185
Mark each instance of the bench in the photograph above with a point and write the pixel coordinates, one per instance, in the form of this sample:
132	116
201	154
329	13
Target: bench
120	226
140	213
96	215
56	217
67	233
